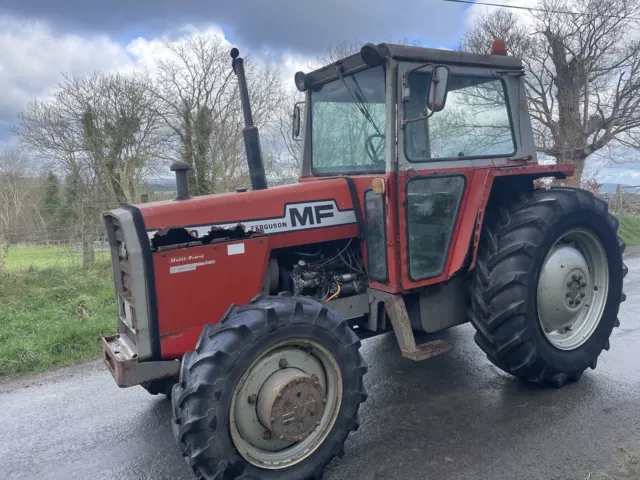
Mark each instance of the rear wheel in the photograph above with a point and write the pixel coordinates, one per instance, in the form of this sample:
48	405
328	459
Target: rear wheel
272	391
547	285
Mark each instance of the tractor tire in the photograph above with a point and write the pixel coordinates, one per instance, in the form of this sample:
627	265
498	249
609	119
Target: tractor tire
256	361
547	285
160	387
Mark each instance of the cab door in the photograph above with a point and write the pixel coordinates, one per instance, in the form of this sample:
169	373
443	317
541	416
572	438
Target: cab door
439	159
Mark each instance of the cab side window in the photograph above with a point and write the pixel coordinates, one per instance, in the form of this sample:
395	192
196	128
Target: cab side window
432	208
474	123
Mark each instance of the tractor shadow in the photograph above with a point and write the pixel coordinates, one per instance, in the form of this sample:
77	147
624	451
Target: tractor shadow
456	406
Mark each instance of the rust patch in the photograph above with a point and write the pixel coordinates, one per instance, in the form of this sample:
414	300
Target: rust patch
234	233
172	237
171	334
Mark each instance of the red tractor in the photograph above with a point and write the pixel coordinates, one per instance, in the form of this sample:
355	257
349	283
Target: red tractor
415	211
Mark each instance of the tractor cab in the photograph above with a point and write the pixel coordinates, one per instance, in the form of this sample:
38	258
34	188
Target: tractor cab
429	126
391	108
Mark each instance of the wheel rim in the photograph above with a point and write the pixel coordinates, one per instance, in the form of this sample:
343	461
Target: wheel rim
572	289
285	403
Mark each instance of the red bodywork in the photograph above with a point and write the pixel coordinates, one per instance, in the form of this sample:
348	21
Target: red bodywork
195	285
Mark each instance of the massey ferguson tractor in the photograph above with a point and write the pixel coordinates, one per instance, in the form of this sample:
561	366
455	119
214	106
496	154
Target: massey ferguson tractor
415	211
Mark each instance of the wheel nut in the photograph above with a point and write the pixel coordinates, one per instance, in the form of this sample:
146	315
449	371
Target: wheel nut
283	363
266	435
583	284
568	295
252	398
569	283
571	302
582	294
579	276
577	301
574	276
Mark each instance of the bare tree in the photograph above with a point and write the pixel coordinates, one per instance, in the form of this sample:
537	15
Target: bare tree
200	104
583	74
102	130
194	87
19	193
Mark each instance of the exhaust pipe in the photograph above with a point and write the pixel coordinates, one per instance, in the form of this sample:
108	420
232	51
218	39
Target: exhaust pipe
182	183
250	131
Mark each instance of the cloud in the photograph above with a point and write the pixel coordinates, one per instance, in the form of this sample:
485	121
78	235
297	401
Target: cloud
296	25
32	59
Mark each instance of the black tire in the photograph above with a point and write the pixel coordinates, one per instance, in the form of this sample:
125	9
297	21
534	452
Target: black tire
514	242
160	387
202	398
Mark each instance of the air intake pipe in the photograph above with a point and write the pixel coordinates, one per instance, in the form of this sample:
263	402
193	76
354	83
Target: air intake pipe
250	131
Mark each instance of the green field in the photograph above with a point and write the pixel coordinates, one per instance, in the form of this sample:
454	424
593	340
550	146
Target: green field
37	258
53	316
629	229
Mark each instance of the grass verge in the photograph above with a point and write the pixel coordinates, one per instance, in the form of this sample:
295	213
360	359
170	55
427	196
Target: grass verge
53	317
629	229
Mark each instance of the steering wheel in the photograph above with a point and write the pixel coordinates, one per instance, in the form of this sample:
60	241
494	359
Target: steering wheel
373	152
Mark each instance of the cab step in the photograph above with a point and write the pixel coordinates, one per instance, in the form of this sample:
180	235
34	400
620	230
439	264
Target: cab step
397	311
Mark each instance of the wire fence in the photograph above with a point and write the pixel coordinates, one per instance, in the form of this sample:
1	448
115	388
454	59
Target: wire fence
76	240
41	254
626	201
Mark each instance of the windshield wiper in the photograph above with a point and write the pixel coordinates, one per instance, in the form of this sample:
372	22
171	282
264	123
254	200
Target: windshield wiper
359	100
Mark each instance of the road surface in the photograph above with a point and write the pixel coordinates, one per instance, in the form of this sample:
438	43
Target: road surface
454	416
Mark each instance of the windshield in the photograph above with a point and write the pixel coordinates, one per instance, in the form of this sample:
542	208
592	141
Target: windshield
348	124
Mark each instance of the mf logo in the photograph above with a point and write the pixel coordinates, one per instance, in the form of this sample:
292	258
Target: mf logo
299	412
310	215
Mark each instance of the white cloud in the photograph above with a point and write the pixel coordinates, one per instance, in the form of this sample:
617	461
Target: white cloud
33	58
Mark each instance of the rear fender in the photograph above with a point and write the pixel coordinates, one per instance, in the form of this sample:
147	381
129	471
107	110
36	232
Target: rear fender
481	188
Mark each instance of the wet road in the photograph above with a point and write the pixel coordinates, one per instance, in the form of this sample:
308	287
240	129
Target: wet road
454	416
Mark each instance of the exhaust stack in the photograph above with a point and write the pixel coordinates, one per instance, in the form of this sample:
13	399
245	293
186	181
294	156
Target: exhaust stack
250	131
182	183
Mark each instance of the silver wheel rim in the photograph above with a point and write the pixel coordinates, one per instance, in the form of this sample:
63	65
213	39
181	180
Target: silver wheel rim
285	404
572	289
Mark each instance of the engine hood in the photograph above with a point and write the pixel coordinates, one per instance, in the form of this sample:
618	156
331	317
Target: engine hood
279	210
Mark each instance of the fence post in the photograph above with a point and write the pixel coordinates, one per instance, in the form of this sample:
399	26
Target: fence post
88	254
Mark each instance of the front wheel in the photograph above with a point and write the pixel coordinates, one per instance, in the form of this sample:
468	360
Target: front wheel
271	392
547	285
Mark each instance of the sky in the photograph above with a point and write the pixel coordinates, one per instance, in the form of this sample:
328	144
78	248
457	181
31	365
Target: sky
41	39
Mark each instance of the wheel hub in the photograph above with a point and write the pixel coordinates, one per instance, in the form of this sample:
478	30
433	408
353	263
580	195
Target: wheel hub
575	288
285	403
560	287
572	289
290	404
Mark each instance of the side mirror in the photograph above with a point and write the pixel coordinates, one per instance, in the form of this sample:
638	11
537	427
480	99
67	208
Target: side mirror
295	130
437	94
435	91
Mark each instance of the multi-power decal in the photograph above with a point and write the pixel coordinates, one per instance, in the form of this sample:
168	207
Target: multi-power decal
296	216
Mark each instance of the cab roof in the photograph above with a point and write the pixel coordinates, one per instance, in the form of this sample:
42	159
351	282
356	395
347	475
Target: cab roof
414	54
